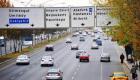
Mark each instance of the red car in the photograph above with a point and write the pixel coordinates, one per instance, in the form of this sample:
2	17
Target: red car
84	57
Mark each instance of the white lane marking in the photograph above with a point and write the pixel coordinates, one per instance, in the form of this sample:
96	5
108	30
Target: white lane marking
101	71
75	73
72	77
102	67
102	49
79	66
7	66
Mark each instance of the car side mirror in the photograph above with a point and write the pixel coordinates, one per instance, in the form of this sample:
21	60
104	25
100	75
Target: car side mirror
110	76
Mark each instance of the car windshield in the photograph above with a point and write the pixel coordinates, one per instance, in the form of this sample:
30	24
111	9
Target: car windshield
52	74
117	75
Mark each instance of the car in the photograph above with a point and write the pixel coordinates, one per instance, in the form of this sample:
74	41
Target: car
75	34
92	35
74	47
47	61
84	34
95	38
94	46
84	57
106	38
98	37
54	74
2	41
68	40
82	38
27	41
49	48
79	52
99	42
119	76
23	59
105	57
80	32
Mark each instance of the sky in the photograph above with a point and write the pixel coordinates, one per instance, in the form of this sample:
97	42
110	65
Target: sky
51	3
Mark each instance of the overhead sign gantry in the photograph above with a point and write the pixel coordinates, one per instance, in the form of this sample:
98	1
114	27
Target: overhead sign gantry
21	18
103	17
57	17
82	16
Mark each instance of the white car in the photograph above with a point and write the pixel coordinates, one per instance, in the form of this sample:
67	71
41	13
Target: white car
106	38
23	59
75	34
105	57
92	35
94	46
84	34
68	40
74	47
54	74
79	52
98	37
47	61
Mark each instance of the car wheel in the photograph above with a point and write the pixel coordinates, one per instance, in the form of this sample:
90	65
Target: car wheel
100	60
80	60
41	65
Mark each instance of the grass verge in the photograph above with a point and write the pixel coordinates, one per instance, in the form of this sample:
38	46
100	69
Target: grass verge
29	49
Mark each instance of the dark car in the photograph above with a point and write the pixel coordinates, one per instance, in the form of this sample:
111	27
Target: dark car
99	42
82	39
49	48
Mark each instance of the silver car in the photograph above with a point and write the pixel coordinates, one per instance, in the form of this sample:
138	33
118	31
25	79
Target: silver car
23	59
54	74
82	38
79	52
105	57
47	61
74	47
68	40
94	46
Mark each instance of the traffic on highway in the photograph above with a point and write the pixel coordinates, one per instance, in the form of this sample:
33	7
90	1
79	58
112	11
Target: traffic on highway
69	40
82	55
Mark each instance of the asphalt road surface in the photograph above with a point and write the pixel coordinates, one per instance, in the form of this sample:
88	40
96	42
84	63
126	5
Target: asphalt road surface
65	60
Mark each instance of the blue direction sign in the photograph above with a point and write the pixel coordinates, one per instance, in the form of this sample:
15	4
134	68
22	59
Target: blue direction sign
19	21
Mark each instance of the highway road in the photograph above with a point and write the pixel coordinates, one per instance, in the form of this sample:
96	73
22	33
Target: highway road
65	60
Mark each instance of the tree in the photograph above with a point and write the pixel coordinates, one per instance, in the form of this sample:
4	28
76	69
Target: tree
128	12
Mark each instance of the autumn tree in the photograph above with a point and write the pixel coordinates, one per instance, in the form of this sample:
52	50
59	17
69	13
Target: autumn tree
128	30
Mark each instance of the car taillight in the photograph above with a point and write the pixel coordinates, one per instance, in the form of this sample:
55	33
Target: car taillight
48	74
58	74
